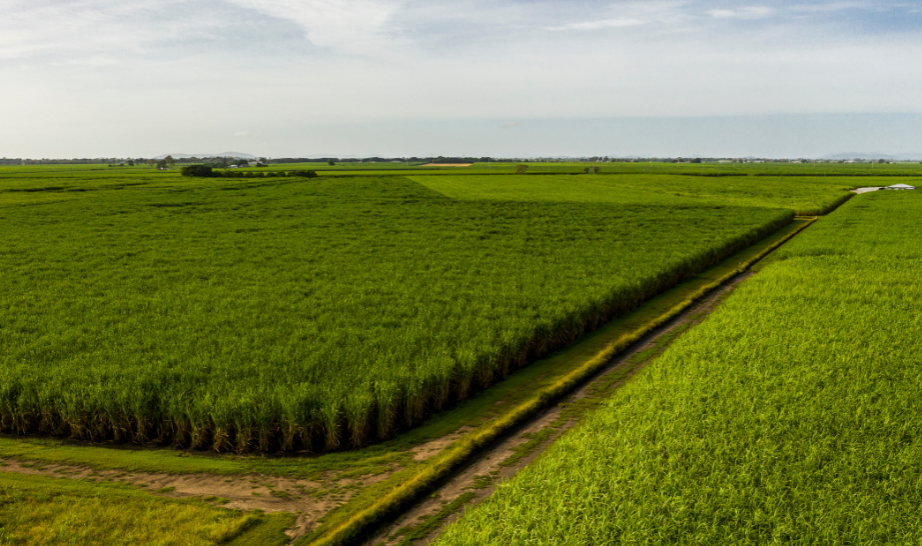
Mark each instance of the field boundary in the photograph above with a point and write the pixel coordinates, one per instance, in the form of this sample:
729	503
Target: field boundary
459	453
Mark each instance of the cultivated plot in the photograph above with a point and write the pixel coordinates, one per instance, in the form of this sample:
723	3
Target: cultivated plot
294	314
805	195
790	415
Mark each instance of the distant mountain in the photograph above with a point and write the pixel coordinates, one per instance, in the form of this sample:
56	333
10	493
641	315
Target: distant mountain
859	155
874	155
222	154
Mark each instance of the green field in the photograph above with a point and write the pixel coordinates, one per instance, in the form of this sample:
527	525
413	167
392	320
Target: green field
714	168
294	314
264	313
40	511
791	415
805	195
709	169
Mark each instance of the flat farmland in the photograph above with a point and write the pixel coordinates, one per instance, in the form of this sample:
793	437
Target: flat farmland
791	415
805	195
301	314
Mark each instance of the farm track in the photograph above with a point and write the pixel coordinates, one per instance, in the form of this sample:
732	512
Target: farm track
501	461
247	492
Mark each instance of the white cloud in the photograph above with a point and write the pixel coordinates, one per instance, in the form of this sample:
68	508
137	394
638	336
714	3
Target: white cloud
104	29
100	74
753	12
631	14
348	26
598	25
830	6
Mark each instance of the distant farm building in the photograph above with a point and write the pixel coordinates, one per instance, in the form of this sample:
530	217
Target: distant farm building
900	187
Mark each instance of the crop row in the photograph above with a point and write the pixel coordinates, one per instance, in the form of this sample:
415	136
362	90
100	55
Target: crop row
311	316
791	415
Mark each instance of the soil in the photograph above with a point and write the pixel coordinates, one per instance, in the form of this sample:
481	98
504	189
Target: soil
308	500
434	447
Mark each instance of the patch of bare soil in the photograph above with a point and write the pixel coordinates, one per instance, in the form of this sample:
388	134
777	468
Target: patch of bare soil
308	500
504	459
435	446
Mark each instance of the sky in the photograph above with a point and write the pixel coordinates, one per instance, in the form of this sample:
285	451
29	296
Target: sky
301	78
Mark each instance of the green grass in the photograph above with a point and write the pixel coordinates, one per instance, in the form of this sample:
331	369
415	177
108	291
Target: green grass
709	169
35	510
714	169
803	195
790	415
293	314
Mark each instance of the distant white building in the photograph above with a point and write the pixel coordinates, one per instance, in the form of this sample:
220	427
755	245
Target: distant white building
900	187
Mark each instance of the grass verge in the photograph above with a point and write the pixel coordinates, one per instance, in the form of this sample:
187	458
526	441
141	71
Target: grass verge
38	510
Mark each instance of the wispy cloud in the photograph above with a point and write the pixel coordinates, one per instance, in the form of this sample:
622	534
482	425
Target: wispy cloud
631	14
104	28
89	74
598	25
752	12
348	26
830	7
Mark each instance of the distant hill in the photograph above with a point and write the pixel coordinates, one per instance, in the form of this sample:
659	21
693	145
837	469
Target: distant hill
874	155
222	154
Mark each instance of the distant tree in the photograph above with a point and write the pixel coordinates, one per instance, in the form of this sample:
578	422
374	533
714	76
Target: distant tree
170	162
196	170
161	164
304	174
696	160
131	162
520	169
331	163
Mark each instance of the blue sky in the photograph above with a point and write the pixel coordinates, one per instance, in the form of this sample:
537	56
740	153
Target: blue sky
93	78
